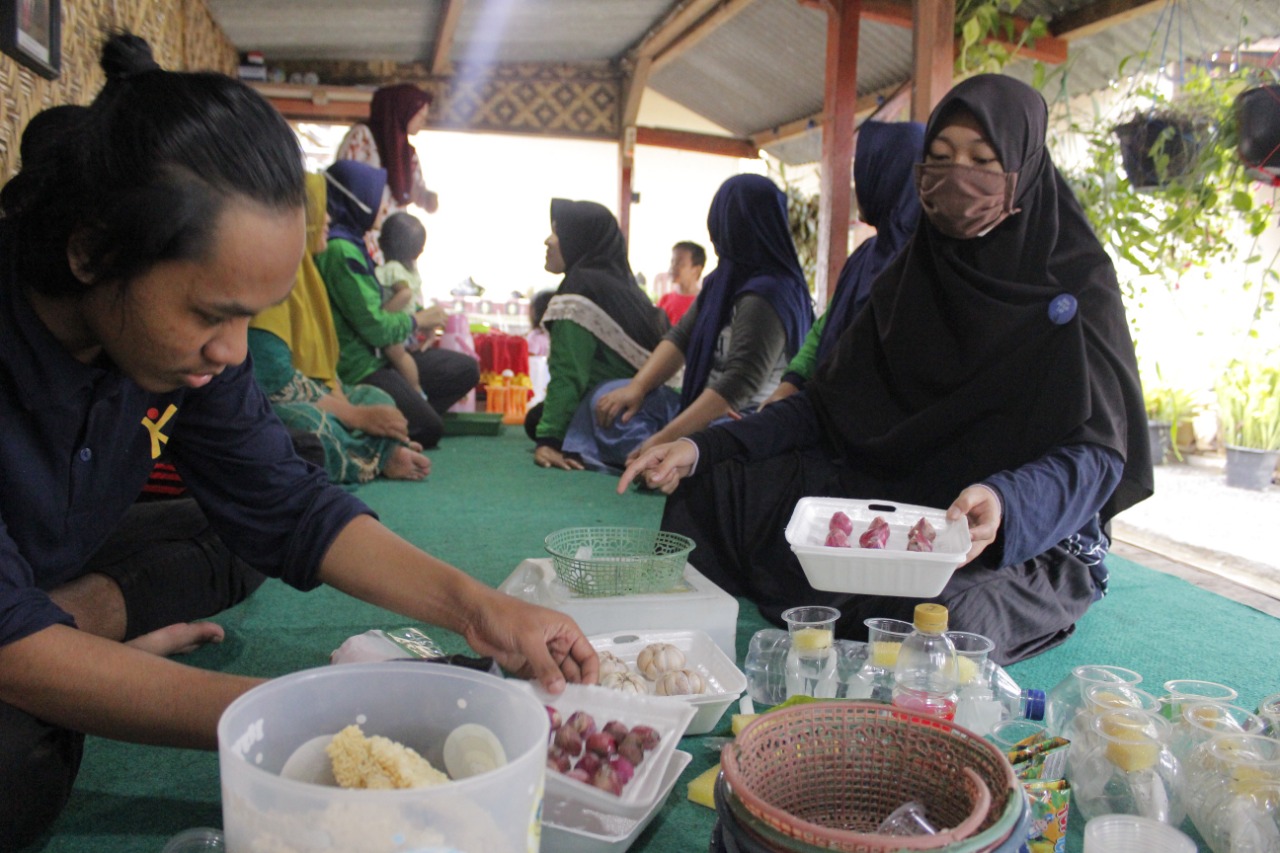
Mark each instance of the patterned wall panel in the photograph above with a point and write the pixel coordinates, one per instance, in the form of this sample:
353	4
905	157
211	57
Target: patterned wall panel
182	34
564	100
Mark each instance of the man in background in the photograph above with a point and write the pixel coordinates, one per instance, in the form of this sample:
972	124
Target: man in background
687	261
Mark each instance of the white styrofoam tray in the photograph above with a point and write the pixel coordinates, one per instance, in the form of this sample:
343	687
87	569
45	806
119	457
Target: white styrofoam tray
667	717
697	601
725	682
570	827
890	571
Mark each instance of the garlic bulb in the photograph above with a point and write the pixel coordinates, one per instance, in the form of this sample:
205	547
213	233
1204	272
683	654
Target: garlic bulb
626	682
656	658
609	662
679	682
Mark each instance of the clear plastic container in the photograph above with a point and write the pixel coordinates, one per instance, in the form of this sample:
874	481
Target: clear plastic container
200	840
724	681
765	666
414	703
927	674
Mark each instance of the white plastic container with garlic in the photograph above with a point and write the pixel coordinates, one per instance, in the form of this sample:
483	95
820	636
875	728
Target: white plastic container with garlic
722	681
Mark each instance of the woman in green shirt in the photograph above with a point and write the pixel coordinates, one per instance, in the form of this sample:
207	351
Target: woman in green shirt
602	325
364	327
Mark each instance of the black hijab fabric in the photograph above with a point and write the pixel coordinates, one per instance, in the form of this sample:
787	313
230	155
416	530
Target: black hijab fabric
976	356
595	261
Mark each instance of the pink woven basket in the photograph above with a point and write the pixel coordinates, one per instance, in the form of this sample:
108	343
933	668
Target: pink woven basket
827	774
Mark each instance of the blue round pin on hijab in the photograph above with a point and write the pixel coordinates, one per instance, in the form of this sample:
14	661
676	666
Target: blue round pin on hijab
1062	309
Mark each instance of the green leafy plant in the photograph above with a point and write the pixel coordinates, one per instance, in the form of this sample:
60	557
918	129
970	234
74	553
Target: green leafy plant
1249	403
1168	404
802	218
988	37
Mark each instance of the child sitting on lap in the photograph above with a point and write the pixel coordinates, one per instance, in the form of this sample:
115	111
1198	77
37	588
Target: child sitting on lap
402	240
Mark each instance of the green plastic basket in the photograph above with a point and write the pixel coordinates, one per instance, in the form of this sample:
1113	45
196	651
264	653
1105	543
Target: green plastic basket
600	561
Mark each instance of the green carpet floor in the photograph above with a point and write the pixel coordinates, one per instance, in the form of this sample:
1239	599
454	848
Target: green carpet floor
485	508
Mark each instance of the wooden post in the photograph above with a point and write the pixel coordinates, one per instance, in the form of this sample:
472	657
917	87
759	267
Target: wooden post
933	45
626	163
841	95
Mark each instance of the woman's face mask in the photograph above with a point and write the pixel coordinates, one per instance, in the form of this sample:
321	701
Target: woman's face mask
965	201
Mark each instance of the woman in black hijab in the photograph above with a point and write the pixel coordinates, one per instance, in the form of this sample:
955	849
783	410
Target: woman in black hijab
601	323
992	372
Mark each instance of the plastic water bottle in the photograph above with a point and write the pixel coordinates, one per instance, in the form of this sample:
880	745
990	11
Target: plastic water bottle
994	696
928	672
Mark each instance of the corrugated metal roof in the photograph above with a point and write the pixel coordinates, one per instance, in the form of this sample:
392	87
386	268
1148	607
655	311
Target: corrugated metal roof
761	69
552	30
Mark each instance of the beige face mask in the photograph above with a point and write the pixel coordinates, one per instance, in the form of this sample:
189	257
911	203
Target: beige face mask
963	201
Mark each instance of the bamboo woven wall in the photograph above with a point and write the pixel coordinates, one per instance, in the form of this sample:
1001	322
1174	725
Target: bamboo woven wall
543	98
182	34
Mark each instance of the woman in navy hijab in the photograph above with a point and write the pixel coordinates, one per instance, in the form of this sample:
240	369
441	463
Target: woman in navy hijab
883	162
734	343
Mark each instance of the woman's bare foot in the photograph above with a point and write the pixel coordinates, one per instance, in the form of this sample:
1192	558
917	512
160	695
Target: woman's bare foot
178	639
407	464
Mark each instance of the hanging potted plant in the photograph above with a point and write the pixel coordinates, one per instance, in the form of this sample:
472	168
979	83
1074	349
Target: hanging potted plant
1160	146
1249	414
1258	117
1159	233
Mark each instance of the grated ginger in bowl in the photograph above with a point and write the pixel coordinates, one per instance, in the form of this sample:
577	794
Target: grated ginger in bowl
378	762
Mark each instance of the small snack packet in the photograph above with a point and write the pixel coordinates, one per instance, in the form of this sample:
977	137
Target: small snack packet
378	645
1049	804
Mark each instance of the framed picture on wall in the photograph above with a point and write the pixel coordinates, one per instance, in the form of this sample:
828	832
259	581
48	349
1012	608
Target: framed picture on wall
30	32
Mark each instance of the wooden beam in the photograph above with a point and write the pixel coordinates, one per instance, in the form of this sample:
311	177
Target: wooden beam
724	12
681	19
626	168
1098	16
441	61
634	87
932	33
317	103
702	143
835	199
900	13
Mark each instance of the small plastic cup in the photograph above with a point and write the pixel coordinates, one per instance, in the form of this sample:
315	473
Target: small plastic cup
1007	734
1182	690
812	628
1269	711
1117	833
1106	697
885	637
972	650
907	819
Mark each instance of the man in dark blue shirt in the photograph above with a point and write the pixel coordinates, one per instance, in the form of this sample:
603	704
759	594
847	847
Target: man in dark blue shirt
135	245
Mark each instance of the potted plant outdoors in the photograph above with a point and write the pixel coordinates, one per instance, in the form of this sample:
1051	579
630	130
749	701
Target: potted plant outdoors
1249	414
1169	411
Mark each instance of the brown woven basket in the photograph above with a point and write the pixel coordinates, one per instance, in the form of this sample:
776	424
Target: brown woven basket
827	774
